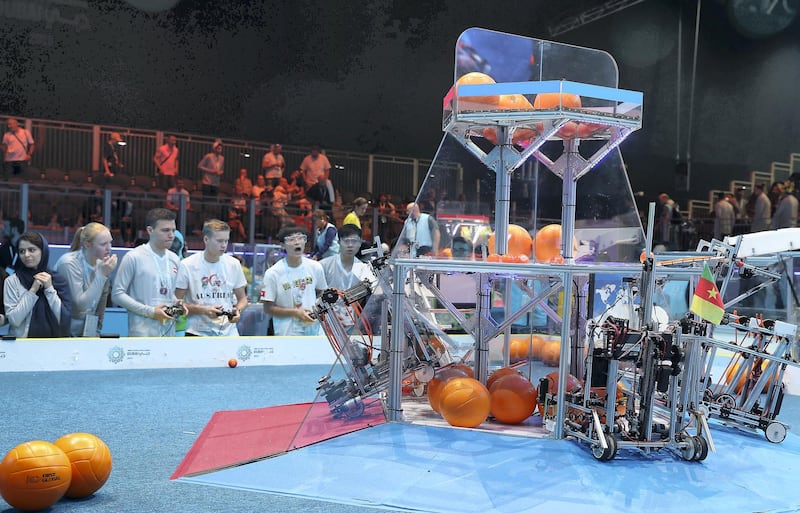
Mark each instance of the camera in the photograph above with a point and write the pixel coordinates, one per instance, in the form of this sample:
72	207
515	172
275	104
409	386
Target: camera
174	310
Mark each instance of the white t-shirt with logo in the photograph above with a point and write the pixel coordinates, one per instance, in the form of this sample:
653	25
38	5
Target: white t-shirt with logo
210	284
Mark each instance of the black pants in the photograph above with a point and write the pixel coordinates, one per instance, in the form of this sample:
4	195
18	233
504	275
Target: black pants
17	167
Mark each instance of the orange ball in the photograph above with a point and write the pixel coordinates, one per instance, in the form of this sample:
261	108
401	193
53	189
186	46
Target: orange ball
476	78
513	399
490	134
493	257
573	383
34	475
553	100
514	102
91	463
465	402
499	373
537	344
520	241
519	349
547	243
730	372
466	369
233	362
438	382
551	353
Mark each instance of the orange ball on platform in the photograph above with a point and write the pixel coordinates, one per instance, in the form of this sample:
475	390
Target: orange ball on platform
551	353
499	373
537	345
466	369
547	243
514	102
519	348
465	402
520	241
91	463
477	78
573	383
34	475
513	399
553	100
438	382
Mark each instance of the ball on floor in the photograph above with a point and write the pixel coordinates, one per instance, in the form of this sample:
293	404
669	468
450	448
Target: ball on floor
513	399
233	362
464	402
34	475
91	462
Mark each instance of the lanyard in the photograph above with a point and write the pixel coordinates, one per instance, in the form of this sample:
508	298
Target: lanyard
163	270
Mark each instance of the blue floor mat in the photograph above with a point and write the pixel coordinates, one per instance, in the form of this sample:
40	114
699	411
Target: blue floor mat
423	468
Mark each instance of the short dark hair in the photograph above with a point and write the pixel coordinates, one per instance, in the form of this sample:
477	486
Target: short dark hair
158	214
289	230
348	230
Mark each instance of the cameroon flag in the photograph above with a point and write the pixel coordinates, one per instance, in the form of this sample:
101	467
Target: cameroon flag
707	303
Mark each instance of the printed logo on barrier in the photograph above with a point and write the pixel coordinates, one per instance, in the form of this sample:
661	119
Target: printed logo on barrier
244	353
116	354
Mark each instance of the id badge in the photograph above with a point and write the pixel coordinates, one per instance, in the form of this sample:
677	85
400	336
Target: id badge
90	328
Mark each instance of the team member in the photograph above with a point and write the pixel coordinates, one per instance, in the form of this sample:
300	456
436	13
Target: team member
145	281
344	270
212	285
37	300
291	286
87	268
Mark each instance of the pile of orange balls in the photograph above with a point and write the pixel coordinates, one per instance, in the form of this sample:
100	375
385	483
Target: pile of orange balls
35	475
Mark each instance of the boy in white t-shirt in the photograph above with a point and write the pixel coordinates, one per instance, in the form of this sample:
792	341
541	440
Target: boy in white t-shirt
212	285
291	286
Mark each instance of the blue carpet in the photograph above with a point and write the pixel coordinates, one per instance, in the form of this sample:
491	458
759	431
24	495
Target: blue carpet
419	468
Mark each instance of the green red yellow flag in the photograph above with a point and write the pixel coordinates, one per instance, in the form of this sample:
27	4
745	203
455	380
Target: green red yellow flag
707	302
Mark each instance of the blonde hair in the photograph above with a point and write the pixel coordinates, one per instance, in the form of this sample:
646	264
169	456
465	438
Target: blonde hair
215	225
86	234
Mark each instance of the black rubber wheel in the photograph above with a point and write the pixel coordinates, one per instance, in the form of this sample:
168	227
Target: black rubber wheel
700	448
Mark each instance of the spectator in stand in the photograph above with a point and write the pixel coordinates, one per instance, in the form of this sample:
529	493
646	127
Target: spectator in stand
273	163
291	286
724	216
123	215
213	167
111	161
87	268
213	285
93	208
420	232
174	196
237	231
243	185
786	213
316	172
387	217
326	240
145	281
259	187
18	146
360	206
305	214
761	211
166	160
37	301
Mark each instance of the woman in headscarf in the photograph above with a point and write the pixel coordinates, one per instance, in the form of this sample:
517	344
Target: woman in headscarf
37	300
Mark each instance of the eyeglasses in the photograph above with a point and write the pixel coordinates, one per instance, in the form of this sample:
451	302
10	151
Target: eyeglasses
295	238
351	241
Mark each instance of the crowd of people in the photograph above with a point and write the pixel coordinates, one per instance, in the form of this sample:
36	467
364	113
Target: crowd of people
158	285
